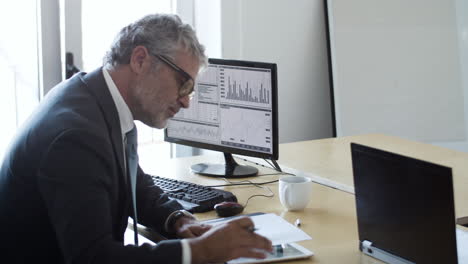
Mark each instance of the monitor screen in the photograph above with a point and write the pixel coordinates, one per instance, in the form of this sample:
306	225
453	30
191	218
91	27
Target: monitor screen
234	110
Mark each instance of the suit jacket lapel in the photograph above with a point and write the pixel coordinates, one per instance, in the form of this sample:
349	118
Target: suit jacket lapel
97	85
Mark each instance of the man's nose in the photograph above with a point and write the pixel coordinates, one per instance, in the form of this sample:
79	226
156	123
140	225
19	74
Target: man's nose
185	101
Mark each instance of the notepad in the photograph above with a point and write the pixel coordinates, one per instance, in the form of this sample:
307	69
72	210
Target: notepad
271	226
282	252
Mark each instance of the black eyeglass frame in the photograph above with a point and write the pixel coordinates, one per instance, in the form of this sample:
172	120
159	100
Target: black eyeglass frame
188	86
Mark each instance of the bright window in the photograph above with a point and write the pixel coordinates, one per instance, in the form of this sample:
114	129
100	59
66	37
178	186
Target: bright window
18	66
101	21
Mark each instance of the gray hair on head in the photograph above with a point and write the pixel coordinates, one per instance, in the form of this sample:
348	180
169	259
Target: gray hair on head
162	34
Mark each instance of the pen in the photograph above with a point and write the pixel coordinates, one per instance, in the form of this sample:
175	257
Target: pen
252	229
297	223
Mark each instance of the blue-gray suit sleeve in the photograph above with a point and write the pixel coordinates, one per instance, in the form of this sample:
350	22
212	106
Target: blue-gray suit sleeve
79	183
152	204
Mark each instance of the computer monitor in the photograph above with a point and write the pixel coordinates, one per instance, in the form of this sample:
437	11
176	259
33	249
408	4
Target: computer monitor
235	111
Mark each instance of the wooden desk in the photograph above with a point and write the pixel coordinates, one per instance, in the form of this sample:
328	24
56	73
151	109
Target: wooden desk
331	159
330	218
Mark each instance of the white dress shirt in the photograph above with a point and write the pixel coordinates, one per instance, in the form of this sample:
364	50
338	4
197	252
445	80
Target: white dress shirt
126	124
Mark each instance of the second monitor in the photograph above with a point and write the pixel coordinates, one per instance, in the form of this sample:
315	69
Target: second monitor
235	111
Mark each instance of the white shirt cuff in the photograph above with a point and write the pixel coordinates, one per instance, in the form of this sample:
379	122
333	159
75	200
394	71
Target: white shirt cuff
186	252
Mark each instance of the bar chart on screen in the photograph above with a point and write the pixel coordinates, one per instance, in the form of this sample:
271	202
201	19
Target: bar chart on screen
242	86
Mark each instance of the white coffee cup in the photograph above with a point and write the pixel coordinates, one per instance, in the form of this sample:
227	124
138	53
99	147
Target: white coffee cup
294	192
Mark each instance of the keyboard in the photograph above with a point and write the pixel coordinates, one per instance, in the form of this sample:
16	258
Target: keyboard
193	197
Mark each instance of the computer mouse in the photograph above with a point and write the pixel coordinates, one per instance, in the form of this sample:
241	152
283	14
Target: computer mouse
226	209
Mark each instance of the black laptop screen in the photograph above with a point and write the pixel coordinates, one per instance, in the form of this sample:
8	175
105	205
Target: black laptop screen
404	205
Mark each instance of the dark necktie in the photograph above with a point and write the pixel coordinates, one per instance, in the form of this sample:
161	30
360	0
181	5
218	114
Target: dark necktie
132	165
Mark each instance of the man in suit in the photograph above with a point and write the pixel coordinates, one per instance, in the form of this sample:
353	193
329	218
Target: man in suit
65	183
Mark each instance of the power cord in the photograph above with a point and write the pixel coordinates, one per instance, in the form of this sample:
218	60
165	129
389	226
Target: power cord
267	161
273	165
287	173
281	173
245	182
258	185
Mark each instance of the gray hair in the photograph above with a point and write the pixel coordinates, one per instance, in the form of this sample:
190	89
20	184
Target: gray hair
162	34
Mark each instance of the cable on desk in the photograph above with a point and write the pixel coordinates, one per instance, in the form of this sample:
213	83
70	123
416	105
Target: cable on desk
246	182
281	173
287	173
259	185
271	165
258	164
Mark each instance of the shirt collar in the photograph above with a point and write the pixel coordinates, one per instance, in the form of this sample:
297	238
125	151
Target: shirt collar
125	115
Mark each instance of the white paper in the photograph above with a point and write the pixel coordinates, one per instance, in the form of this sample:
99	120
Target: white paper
462	245
273	227
129	238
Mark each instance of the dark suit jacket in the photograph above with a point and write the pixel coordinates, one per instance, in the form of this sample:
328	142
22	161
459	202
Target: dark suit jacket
64	197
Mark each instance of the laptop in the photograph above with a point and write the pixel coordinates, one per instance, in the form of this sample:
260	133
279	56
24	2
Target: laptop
405	208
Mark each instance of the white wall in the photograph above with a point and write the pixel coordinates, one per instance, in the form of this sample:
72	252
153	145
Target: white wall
291	34
462	29
208	25
400	68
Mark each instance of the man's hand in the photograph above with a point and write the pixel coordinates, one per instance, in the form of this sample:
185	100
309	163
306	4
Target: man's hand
187	227
228	241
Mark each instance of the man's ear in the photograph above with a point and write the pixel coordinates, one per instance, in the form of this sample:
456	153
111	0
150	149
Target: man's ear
140	60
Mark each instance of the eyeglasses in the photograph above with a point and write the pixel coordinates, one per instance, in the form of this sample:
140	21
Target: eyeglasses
187	87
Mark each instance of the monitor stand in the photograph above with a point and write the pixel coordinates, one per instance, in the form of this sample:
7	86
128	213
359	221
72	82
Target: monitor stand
231	169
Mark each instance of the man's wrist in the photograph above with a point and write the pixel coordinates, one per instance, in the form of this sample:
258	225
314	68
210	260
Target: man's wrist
198	251
172	219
